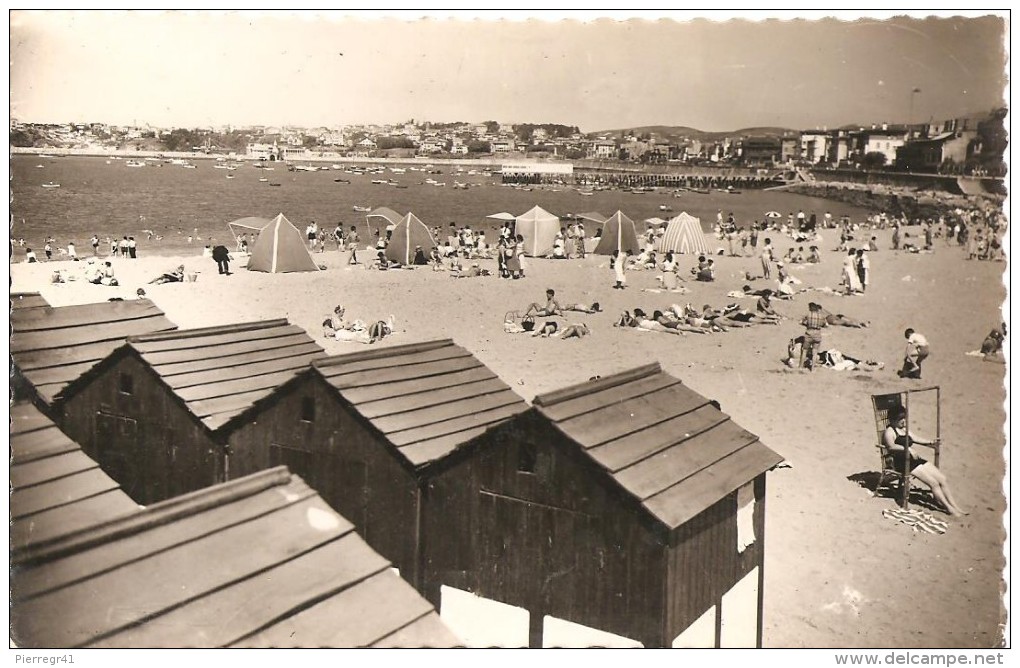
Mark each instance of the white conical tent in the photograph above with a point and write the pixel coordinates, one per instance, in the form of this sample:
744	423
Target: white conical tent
408	235
280	248
683	235
539	228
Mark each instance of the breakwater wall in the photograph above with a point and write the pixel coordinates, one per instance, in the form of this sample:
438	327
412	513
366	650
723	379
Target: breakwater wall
934	182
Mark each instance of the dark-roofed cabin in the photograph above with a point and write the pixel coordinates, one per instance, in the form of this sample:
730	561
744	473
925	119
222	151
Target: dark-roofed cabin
160	414
27	300
55	488
51	346
257	562
629	504
366	429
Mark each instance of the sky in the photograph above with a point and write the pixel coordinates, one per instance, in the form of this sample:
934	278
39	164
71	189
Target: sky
192	68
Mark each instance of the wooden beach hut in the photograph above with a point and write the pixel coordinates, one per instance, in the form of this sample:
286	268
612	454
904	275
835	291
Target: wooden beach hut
55	489
51	346
160	413
366	430
257	562
629	504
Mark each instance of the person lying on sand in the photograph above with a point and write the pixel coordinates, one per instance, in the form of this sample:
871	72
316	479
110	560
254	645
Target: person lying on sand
735	312
474	271
841	320
669	319
172	276
642	321
582	308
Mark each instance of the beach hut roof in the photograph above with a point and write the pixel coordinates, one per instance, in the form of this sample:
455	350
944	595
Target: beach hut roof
56	489
51	346
220	372
184	573
27	300
671	449
427	399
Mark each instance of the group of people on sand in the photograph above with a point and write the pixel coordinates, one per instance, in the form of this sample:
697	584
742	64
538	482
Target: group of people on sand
356	331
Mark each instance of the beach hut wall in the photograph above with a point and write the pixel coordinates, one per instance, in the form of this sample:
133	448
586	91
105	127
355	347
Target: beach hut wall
280	248
183	573
630	504
539	228
367	429
683	234
160	413
409	234
52	346
618	234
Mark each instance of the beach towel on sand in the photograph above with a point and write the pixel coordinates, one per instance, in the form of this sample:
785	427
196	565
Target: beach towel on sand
917	520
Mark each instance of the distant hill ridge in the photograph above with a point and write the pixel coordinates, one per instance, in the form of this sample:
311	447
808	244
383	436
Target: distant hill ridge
701	135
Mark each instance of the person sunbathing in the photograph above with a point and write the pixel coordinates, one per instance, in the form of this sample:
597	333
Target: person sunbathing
582	308
897	440
719	319
735	312
841	320
648	324
668	319
574	331
552	307
173	276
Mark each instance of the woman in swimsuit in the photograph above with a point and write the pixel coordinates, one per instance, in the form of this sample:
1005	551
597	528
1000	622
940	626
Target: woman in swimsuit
895	438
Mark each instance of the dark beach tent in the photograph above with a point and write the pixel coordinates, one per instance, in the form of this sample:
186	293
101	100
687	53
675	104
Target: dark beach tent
618	233
280	248
684	235
409	233
539	228
592	217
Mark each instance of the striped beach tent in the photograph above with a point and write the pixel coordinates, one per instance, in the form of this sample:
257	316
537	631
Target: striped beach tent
683	235
280	248
618	233
539	228
409	233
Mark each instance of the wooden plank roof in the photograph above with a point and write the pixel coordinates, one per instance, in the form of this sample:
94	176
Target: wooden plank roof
257	562
220	372
667	446
427	398
27	300
52	346
55	488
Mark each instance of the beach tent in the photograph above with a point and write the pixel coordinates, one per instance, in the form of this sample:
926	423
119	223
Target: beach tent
655	221
618	233
381	218
408	233
539	228
251	225
502	215
684	235
280	248
592	217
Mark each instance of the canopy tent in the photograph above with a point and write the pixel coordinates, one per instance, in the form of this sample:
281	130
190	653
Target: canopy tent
683	235
655	221
249	225
502	215
280	248
539	228
592	216
382	217
618	233
409	233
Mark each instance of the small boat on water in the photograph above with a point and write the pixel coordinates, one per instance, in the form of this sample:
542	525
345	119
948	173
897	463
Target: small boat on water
276	184
39	166
51	184
134	163
341	180
230	176
362	209
263	180
664	207
586	193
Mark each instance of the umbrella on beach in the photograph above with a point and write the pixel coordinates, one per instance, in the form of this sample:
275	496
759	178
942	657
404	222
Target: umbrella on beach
773	214
503	215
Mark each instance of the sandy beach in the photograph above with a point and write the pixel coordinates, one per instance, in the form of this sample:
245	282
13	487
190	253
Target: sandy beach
838	573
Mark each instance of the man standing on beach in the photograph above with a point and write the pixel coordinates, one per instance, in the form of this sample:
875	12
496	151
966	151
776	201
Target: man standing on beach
95	245
813	323
619	263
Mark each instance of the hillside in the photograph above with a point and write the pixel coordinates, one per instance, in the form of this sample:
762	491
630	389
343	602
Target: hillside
694	133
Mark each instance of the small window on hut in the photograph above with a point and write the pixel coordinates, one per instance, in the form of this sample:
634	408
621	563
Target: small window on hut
127	383
308	409
527	457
